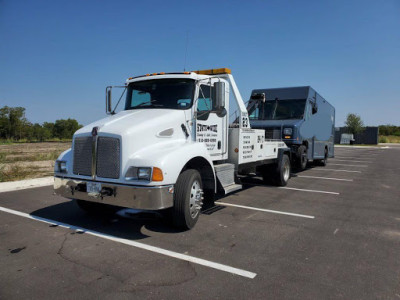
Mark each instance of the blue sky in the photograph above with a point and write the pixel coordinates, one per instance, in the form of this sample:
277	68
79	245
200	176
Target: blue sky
57	57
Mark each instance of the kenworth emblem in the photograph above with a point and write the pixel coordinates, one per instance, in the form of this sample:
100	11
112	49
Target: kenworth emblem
94	131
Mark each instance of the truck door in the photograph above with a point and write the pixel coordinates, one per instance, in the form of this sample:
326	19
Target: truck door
211	121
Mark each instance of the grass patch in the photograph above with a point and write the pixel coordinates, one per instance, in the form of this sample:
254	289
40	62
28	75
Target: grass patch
389	139
24	141
15	172
53	155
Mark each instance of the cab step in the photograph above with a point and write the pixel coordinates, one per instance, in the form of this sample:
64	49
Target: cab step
226	178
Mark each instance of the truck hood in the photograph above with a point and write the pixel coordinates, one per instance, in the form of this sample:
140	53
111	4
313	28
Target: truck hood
138	121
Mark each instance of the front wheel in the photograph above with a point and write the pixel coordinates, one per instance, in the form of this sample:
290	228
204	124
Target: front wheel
302	158
188	199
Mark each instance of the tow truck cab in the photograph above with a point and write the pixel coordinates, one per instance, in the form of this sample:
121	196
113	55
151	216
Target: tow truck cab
170	147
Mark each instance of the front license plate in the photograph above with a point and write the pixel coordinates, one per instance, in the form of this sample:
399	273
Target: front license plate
93	187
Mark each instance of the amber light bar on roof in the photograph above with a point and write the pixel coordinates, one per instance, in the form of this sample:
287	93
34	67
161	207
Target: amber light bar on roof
200	72
213	71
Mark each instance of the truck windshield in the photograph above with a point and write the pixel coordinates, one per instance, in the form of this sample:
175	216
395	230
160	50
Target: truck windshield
160	93
279	110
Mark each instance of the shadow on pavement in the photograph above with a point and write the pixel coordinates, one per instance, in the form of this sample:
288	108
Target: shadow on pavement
129	227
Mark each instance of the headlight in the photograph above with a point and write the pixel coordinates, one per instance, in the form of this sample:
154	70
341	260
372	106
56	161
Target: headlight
138	173
61	166
144	173
287	131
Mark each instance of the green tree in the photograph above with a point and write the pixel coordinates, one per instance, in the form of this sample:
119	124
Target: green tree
64	129
14	125
354	123
13	122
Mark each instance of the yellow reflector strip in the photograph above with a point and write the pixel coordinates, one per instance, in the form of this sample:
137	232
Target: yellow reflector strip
213	71
287	136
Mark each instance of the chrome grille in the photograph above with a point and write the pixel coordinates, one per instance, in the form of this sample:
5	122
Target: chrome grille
83	156
108	157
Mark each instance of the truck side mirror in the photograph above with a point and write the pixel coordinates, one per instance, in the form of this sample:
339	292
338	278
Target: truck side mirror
108	100
219	88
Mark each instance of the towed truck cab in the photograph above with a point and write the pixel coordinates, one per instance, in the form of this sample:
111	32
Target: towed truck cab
170	147
297	115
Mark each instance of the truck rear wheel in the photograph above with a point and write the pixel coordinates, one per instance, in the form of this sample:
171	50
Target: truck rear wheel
302	158
188	199
282	174
324	161
277	174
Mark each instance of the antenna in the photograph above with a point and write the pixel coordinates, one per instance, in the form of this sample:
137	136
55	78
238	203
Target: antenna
187	42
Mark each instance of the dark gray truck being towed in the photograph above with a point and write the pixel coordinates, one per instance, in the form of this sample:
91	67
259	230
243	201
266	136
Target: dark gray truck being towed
300	117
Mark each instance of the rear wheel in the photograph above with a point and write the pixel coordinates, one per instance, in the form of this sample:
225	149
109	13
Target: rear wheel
282	174
188	199
324	161
301	158
278	174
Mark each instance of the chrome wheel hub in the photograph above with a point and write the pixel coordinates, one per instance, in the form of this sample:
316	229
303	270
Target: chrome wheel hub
196	199
286	171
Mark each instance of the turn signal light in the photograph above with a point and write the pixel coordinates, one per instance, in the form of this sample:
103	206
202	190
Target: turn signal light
157	175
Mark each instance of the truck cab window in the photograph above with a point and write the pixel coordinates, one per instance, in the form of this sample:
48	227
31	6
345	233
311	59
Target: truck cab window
255	114
205	101
160	93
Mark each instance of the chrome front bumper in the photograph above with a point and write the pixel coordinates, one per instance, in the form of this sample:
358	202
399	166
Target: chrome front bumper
138	197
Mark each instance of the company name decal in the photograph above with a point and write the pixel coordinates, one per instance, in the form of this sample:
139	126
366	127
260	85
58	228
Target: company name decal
202	128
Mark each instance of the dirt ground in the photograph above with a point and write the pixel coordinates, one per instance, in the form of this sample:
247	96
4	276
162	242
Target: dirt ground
29	160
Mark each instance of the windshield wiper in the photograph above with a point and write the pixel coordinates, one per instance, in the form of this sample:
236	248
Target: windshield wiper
147	102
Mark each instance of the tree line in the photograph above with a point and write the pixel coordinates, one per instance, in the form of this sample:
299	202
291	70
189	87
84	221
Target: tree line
389	130
15	126
354	124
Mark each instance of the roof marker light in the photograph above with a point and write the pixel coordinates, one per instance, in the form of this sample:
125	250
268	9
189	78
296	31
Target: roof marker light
213	71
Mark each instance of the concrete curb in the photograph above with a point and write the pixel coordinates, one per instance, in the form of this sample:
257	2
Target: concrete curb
25	184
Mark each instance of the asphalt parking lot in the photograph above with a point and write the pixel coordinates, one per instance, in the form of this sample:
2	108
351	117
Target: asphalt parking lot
332	233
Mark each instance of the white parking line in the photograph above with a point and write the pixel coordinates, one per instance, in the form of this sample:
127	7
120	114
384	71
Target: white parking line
154	249
327	178
362	166
264	210
305	190
337	170
295	189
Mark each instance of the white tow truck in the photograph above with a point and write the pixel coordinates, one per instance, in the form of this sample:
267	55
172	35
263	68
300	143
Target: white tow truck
171	147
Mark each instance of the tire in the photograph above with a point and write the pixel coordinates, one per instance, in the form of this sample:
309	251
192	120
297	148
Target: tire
188	199
282	173
268	173
302	158
94	208
324	161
